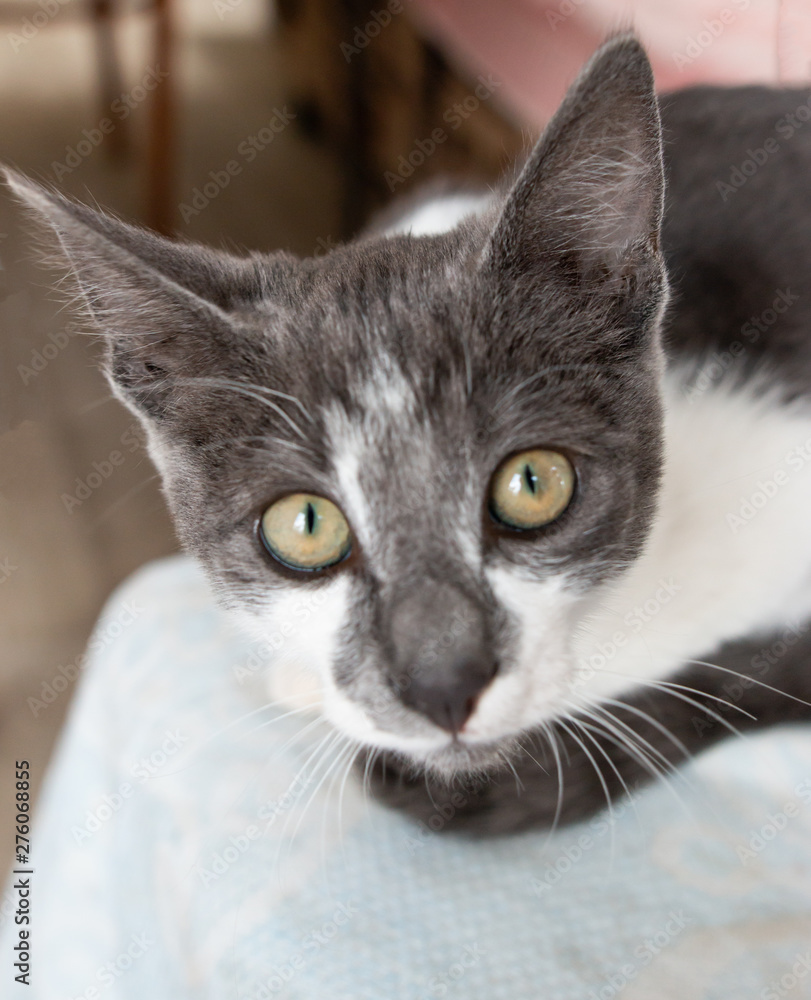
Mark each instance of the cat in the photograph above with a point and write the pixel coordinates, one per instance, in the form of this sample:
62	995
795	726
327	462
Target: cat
543	454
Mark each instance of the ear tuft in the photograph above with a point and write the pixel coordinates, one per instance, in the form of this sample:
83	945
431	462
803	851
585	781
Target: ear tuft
161	306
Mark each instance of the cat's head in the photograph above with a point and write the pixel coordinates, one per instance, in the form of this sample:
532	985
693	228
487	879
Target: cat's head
414	463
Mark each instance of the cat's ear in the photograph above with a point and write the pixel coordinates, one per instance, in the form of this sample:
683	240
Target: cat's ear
163	307
587	207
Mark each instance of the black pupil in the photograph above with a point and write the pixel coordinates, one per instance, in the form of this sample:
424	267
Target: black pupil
530	479
310	518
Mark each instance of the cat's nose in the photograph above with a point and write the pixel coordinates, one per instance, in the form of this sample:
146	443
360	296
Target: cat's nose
448	696
443	655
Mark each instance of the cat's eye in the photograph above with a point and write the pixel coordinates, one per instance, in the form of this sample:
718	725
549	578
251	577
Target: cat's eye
531	489
306	532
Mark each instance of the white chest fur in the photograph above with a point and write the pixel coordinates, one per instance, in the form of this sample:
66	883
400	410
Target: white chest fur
730	553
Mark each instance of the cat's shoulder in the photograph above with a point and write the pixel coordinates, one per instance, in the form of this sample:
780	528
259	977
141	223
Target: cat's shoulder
737	230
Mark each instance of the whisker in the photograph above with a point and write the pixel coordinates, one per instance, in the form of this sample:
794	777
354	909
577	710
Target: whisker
755	680
299	734
239	387
336	750
519	784
262	389
707	711
561	721
651	752
663	685
323	750
303	709
350	758
646	717
371	758
637	752
552	738
590	731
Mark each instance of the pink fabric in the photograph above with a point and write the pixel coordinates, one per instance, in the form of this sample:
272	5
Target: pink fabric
535	47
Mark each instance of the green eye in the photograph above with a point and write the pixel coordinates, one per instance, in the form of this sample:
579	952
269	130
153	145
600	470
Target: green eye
531	489
305	532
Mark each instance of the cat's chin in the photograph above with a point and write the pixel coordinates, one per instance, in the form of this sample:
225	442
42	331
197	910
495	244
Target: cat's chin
456	759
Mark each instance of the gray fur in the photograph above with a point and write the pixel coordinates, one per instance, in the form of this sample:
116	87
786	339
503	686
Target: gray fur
537	324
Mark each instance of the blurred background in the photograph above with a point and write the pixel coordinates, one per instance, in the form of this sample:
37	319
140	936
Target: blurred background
246	124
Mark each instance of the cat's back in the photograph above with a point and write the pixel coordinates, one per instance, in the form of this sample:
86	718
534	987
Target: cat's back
737	232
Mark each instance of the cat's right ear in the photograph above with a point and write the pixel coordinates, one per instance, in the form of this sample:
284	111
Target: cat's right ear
164	308
587	208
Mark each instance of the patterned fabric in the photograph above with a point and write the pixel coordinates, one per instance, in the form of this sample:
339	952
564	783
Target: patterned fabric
193	844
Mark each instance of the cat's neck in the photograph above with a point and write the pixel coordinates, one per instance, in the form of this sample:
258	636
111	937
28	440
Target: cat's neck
735	495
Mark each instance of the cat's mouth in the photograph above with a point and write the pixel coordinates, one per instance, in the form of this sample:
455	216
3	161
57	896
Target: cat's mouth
434	749
460	756
508	710
455	757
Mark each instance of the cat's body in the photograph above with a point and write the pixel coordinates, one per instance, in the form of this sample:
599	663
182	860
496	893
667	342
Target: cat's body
726	574
736	492
394	379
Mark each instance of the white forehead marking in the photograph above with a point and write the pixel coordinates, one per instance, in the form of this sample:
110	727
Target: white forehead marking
354	443
387	393
385	399
349	449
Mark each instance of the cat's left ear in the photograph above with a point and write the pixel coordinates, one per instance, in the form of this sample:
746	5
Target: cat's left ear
164	308
586	210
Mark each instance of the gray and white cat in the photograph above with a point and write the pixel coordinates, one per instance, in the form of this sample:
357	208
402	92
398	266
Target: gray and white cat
554	513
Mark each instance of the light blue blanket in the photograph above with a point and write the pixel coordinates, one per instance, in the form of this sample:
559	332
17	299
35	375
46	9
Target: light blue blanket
190	844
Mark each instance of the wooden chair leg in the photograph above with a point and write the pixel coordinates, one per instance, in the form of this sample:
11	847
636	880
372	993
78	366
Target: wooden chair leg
160	159
111	86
